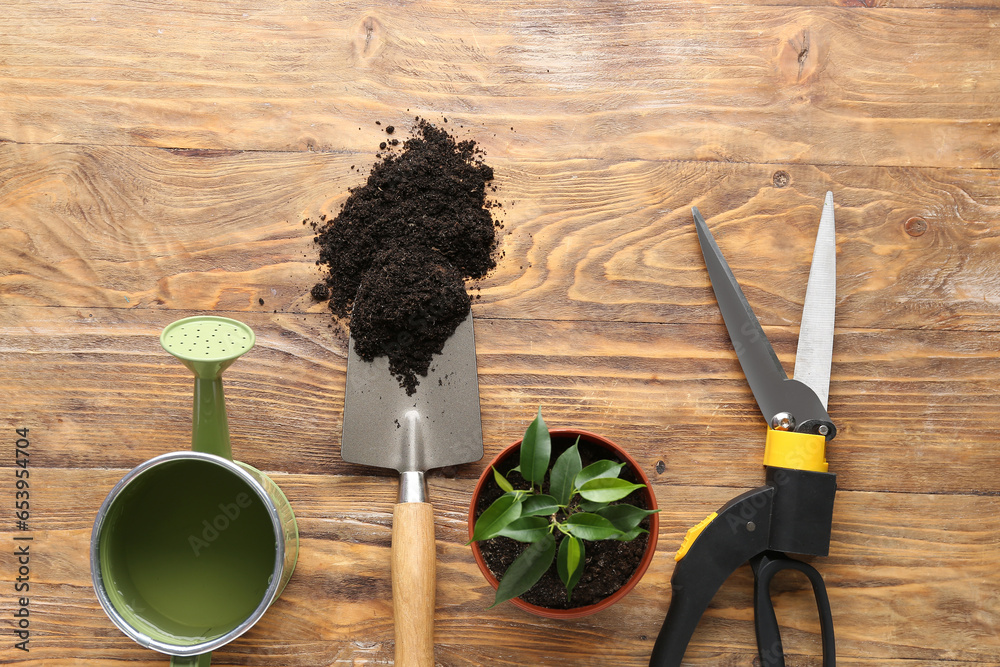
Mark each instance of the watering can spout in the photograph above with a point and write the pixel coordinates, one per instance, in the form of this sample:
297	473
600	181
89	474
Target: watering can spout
208	345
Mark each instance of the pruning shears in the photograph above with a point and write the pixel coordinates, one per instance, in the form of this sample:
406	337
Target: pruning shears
793	511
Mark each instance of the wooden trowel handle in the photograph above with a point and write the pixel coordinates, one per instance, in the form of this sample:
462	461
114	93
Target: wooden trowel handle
413	583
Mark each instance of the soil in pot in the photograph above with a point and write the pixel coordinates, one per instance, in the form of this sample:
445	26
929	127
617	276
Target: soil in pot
609	563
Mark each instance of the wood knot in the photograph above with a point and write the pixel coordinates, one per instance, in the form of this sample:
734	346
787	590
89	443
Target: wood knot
202	152
368	38
799	56
915	226
780	178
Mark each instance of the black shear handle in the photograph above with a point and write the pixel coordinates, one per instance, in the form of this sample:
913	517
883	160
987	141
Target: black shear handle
765	566
737	533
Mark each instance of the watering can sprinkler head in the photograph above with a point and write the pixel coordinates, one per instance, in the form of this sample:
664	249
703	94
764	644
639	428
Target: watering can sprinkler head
208	345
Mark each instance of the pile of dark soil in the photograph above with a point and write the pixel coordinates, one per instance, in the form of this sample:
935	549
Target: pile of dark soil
609	564
398	254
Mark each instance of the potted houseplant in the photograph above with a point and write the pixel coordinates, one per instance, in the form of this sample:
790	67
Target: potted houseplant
562	523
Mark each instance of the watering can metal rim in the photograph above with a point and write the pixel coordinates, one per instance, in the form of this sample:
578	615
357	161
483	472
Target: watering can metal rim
273	589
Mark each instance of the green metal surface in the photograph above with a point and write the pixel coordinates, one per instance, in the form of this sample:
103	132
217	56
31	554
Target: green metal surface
208	345
190	550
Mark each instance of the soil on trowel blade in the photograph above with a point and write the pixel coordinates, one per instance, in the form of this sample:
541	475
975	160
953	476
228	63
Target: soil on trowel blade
400	251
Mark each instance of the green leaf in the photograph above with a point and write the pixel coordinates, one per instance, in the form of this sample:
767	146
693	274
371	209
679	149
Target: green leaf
625	517
597	470
569	563
502	481
527	529
608	489
589	526
591	506
496	517
525	572
564	472
539	505
630	535
536	447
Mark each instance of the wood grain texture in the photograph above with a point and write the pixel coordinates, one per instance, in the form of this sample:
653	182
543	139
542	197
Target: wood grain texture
158	160
906	402
414	584
662	80
336	609
120	227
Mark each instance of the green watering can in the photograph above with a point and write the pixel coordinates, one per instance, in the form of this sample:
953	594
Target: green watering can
190	549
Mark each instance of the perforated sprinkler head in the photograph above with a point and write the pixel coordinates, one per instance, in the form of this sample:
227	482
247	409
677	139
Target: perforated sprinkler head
208	345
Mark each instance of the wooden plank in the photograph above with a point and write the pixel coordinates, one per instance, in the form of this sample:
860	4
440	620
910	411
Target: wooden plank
336	608
89	227
916	410
660	81
158	159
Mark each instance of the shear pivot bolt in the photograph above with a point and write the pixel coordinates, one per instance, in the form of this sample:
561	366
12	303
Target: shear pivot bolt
751	526
783	422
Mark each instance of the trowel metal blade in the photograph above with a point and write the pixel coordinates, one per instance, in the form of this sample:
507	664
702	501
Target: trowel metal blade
439	425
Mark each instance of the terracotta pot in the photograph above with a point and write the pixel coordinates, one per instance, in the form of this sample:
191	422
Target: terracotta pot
654	527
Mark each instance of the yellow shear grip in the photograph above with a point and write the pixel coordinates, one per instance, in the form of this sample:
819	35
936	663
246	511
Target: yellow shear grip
800	451
693	534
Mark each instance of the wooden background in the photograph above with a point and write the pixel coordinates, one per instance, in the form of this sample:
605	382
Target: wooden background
157	160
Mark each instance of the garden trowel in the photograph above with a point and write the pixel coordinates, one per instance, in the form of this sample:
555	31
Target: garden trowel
439	425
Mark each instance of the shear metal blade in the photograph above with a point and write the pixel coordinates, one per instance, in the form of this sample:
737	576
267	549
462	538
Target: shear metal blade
775	393
815	351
